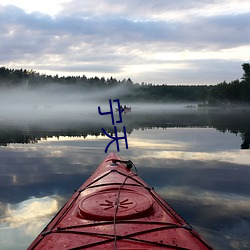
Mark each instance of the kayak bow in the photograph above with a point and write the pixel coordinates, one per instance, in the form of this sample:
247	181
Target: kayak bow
116	209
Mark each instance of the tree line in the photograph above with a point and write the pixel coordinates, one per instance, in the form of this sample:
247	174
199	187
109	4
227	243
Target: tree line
236	91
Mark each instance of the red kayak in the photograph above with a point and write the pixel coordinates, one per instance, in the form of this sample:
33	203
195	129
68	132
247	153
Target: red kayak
116	209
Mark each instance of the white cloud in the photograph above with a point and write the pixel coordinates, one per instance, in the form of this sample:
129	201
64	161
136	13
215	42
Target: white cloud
45	6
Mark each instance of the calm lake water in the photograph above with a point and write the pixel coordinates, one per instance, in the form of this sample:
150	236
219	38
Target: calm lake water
197	160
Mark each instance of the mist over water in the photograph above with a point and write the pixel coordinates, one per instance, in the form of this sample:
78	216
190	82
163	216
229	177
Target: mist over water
55	102
60	102
60	107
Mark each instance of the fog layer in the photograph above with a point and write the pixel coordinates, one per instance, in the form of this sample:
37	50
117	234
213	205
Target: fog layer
61	102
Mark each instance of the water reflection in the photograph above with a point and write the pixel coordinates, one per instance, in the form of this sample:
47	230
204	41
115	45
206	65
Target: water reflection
28	211
195	166
23	131
20	222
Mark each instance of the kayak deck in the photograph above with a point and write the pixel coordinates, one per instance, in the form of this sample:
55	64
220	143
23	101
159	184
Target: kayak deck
116	209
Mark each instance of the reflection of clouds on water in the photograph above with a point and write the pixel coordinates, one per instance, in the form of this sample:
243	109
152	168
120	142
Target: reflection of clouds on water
199	175
198	171
22	222
46	168
149	144
229	203
227	240
29	211
185	139
236	157
225	215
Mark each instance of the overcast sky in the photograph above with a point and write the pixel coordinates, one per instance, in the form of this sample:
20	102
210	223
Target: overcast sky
154	41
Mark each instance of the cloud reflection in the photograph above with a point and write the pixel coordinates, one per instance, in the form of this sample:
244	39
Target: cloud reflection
223	156
22	222
206	180
222	213
29	212
228	203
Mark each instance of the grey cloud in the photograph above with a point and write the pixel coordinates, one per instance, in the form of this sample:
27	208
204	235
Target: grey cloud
201	31
86	68
219	31
209	71
134	8
98	39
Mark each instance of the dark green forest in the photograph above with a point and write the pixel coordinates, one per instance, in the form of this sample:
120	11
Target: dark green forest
225	93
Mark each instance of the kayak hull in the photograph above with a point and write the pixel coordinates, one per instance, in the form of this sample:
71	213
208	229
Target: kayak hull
116	209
